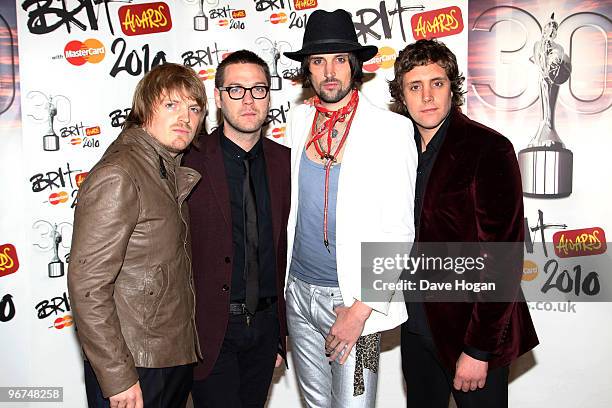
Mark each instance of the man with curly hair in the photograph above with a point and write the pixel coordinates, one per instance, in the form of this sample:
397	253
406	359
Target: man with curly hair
468	190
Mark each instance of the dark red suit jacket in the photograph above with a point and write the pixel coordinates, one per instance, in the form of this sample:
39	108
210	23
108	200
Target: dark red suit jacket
474	194
211	232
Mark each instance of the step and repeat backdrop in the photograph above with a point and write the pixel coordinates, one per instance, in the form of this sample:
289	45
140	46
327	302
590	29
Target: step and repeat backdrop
537	71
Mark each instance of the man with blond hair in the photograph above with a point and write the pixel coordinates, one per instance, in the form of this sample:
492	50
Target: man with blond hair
130	279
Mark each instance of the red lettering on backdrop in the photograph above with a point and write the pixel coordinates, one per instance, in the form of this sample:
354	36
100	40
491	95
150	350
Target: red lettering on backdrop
437	23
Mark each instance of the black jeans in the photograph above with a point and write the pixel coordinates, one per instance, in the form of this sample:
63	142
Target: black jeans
243	371
161	387
429	383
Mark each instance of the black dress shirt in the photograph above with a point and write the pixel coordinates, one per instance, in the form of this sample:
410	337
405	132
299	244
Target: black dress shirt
233	157
417	321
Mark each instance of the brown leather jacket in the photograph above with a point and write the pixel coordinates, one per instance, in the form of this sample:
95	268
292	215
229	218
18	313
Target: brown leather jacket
130	279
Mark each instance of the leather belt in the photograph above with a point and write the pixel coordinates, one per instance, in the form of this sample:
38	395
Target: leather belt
238	309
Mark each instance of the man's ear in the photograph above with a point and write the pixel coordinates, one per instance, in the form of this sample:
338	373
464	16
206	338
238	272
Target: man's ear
217	98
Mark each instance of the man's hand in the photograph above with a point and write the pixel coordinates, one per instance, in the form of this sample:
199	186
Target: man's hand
279	361
346	330
130	398
470	373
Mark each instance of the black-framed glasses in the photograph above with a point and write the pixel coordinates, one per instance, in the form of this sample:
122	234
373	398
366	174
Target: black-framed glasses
237	92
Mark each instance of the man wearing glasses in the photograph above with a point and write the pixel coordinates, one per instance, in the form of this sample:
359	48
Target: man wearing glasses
238	224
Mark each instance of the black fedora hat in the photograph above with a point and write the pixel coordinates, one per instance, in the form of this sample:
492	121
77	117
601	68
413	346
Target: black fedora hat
331	32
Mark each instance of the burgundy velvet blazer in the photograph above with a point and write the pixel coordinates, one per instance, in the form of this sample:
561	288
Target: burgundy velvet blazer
211	233
474	194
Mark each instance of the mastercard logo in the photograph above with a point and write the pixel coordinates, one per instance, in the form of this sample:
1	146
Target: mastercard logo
530	270
75	141
62	322
385	58
58	198
278	18
80	178
78	53
278	132
223	23
207	74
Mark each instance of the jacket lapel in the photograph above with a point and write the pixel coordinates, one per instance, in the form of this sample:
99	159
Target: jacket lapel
186	179
214	170
448	164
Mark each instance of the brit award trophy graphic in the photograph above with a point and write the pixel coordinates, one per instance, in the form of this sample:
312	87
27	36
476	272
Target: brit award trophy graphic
546	164
200	21
56	266
48	237
271	53
49	105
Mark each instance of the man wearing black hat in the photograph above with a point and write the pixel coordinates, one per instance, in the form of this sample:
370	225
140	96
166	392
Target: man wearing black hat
353	176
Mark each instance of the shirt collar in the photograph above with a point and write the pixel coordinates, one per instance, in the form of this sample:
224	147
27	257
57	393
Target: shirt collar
436	141
238	153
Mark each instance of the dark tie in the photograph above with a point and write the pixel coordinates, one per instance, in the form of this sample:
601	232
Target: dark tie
251	240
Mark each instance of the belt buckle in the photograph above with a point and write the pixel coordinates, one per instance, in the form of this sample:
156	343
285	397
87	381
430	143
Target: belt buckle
237	308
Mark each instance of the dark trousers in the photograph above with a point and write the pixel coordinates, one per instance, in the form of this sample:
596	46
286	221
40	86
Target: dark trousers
161	387
429	383
243	371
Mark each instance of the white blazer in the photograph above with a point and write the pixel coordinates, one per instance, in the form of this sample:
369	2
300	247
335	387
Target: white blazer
375	197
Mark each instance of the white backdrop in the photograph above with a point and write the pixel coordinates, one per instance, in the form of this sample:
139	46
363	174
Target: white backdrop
89	95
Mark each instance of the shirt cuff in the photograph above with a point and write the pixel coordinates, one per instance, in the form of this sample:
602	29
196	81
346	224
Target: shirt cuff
477	354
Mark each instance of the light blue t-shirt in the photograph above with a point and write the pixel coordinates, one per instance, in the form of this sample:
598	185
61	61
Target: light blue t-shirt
311	262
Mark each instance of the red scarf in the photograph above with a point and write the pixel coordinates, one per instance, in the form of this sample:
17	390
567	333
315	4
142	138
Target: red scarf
332	117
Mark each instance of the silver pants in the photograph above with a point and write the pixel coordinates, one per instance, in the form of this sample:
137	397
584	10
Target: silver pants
324	384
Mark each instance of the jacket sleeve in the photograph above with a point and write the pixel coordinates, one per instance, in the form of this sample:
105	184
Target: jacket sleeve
499	216
106	214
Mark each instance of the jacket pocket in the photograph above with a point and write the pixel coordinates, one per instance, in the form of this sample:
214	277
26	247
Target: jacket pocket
155	288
